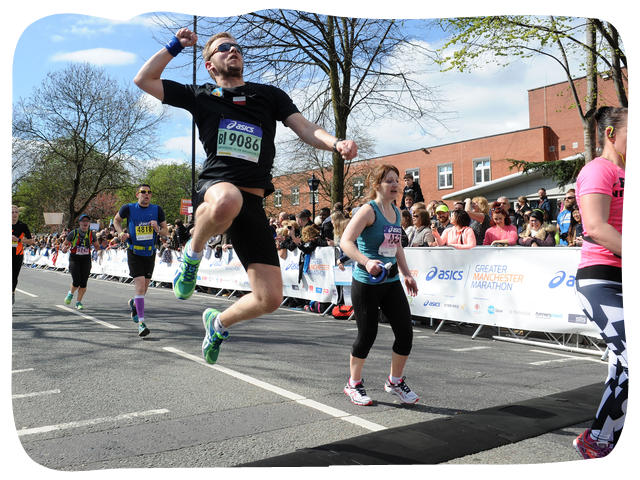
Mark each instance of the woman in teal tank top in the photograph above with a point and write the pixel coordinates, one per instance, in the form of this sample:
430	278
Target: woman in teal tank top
372	239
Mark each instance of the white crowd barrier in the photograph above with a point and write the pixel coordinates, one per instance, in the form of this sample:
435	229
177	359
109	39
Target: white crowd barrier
514	287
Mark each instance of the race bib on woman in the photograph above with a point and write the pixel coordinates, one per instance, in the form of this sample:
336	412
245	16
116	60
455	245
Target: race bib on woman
392	239
239	140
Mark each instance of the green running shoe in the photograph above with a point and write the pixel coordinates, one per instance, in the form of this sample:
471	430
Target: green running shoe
68	298
134	312
184	283
143	331
212	339
79	306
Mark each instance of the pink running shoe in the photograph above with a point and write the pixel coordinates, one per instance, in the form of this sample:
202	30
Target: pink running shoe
590	448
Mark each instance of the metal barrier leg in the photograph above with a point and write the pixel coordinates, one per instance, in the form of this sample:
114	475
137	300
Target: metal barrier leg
477	331
284	301
327	310
439	326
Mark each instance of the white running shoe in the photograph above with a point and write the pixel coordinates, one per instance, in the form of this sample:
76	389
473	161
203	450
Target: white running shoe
402	390
357	394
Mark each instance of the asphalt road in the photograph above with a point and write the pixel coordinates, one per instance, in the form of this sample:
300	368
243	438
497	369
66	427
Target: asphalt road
89	394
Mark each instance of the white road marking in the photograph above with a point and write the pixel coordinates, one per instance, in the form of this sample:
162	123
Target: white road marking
86	423
334	412
88	317
34	394
23	370
565	358
26	293
423	336
467	349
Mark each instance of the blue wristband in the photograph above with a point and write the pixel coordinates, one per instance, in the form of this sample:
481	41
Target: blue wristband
174	47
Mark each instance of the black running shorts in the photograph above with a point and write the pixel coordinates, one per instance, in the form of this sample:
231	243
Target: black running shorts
250	235
80	269
140	265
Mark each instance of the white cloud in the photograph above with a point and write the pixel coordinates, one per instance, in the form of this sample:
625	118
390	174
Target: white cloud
489	100
183	145
152	104
166	161
97	56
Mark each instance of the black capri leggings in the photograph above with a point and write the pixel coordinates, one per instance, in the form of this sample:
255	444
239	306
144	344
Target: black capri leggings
15	269
390	299
80	268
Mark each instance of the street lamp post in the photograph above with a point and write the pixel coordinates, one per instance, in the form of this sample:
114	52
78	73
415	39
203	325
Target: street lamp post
313	186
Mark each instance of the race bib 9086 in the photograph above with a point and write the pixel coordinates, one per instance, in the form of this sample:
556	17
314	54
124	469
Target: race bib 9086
239	139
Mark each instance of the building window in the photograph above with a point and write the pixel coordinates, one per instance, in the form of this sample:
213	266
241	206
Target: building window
295	196
482	170
314	197
358	187
277	198
552	148
415	173
445	176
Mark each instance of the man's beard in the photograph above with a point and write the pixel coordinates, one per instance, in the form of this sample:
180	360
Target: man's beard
231	72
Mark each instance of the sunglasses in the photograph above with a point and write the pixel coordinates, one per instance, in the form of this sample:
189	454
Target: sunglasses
225	47
569	198
144	191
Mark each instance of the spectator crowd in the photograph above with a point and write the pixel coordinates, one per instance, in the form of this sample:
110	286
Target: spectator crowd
465	224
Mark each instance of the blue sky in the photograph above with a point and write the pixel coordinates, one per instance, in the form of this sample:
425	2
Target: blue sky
488	101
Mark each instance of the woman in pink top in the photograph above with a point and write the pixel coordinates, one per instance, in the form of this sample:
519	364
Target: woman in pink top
600	192
461	236
501	233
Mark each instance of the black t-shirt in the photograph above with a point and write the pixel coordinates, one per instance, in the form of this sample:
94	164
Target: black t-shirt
21	231
236	126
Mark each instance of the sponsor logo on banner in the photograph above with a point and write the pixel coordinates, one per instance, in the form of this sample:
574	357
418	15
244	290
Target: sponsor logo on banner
295	287
559	279
581	319
547	316
455	275
431	303
291	266
318	289
318	265
495	277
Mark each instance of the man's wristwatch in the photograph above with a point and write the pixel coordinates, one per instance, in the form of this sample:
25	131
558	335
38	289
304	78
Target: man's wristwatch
335	149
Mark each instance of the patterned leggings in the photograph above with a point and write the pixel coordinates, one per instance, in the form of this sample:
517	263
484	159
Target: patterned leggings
599	291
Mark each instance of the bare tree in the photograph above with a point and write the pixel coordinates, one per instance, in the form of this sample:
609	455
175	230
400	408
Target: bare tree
335	66
89	134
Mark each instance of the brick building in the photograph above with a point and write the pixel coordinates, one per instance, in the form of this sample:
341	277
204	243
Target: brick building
478	166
